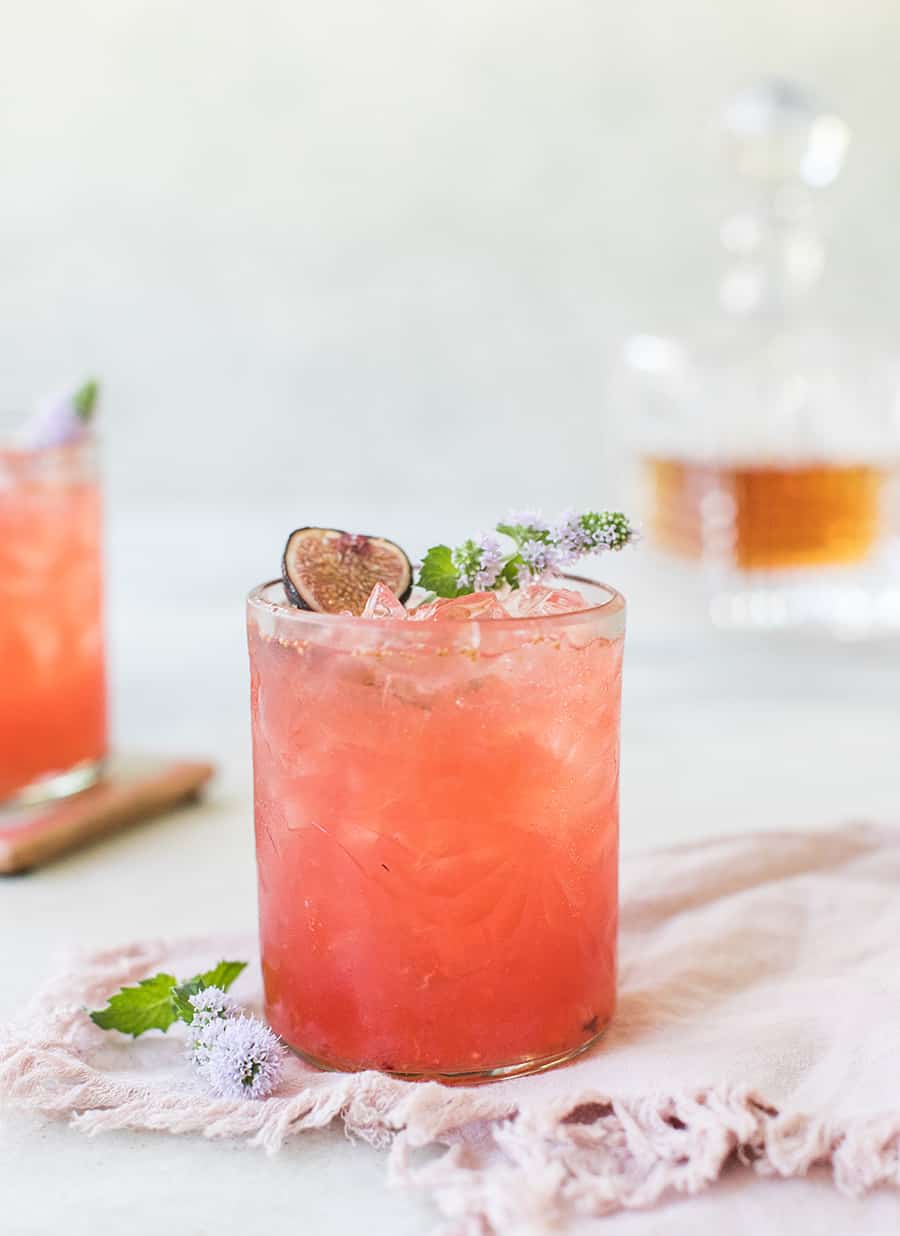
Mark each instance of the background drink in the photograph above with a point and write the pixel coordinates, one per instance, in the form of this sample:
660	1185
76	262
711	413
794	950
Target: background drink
437	834
768	515
52	689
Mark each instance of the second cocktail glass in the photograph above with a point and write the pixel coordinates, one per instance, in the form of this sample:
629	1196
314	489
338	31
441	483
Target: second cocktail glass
53	691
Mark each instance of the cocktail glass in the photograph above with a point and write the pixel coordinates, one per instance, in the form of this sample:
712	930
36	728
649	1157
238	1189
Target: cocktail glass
52	676
436	813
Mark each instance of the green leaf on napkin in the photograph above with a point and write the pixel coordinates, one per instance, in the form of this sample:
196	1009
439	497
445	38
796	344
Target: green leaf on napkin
155	1003
133	1010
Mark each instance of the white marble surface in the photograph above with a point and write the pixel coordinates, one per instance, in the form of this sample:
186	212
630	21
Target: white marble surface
720	734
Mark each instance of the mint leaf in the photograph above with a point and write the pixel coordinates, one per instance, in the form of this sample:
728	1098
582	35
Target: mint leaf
134	1010
510	572
515	531
222	975
438	572
85	399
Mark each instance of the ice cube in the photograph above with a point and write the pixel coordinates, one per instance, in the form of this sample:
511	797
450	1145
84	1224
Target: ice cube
383	604
539	601
476	607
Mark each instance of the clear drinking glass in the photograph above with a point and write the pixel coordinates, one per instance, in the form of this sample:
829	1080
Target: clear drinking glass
437	834
52	685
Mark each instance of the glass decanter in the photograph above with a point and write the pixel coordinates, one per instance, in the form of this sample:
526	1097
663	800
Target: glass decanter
769	443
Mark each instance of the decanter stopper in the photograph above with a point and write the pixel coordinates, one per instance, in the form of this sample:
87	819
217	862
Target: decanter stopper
784	145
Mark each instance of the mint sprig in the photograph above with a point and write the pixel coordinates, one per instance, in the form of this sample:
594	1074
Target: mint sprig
537	548
155	1003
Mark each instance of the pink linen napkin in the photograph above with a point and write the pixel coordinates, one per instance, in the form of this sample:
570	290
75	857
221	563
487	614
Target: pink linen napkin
758	1020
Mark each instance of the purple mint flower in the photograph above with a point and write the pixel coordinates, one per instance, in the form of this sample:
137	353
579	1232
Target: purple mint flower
244	1059
201	1041
610	530
571	539
539	557
211	1003
55	423
211	1009
528	519
62	418
491	562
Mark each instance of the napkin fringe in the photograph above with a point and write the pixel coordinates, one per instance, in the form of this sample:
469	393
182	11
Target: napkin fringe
505	1170
532	1170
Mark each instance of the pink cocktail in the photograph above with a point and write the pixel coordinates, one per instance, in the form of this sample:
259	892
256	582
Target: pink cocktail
437	834
52	687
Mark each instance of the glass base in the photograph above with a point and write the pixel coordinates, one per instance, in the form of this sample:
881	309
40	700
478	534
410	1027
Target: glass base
468	1077
58	784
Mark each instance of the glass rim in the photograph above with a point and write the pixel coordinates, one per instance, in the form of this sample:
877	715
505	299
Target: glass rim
615	603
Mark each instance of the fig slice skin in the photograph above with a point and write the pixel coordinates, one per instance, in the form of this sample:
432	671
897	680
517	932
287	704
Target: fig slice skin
330	571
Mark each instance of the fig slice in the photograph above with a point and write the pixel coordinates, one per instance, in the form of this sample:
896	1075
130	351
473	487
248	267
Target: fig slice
333	572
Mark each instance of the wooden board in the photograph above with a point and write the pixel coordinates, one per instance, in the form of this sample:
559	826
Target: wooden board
35	835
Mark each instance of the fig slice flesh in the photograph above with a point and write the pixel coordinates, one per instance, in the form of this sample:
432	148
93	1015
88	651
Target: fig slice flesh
332	572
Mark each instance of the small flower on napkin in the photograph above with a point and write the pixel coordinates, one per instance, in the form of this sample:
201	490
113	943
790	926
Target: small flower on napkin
240	1058
237	1056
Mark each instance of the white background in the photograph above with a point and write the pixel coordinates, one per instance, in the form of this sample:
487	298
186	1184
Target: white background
324	252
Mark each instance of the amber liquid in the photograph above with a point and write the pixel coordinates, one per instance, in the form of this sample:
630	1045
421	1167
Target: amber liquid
765	516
